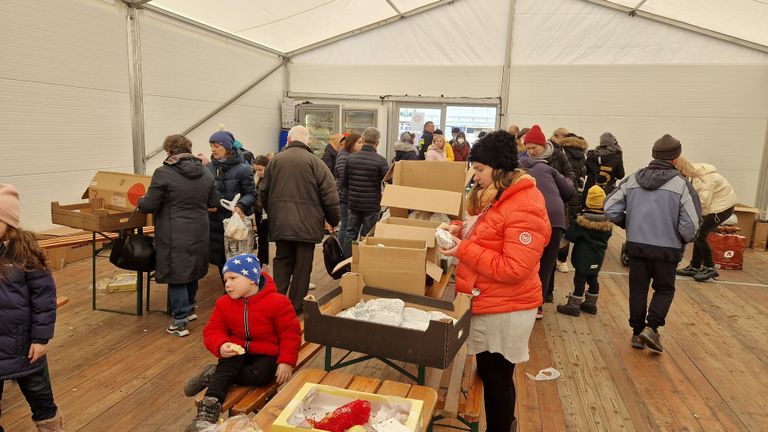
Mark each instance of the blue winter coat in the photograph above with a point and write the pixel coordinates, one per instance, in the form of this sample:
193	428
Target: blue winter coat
27	314
556	188
232	176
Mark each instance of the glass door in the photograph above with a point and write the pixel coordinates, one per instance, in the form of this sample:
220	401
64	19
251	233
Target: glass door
470	119
322	121
358	120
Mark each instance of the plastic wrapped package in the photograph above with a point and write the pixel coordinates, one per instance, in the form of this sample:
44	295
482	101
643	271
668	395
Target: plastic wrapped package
238	423
393	312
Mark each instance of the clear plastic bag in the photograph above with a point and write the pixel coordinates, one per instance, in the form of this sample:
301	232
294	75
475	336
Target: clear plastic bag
235	228
238	423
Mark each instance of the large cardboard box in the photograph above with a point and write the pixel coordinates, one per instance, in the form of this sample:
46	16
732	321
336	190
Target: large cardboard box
112	197
316	400
410	229
746	216
59	257
395	264
434	186
436	347
760	235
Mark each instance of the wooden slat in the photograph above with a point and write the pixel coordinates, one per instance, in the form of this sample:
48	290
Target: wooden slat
269	413
474	401
337	379
451	407
365	384
393	388
429	396
61	301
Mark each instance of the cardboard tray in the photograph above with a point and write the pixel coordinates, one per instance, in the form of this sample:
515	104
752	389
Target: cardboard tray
436	347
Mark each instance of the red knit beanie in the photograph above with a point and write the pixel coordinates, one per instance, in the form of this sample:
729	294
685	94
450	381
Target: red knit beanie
535	136
9	205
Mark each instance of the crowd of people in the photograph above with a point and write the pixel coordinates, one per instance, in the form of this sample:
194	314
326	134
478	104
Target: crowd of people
533	200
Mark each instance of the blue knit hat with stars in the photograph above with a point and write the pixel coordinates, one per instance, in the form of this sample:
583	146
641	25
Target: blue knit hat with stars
246	265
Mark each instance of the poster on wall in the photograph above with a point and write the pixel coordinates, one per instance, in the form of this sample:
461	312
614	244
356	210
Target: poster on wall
417	120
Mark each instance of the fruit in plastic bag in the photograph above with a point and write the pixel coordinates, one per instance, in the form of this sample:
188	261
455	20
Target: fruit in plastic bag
344	417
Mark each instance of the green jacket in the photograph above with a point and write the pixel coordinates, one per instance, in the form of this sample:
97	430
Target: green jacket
589	234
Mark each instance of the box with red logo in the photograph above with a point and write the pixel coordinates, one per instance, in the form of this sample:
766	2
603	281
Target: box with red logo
112	198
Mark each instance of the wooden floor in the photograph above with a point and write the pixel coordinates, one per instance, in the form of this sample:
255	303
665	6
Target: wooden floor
115	372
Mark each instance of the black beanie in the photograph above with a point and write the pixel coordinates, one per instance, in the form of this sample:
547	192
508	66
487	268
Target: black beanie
666	148
497	150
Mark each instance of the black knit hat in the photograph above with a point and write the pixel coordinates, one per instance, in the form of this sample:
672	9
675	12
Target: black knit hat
666	148
497	150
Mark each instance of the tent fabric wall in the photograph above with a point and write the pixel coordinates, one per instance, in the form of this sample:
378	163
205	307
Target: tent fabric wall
187	73
64	99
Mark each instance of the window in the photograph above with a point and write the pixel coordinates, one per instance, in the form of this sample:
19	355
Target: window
358	120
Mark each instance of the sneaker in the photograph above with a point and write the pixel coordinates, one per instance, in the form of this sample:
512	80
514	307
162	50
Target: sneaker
192	317
637	342
562	267
540	313
312	286
651	339
687	271
177	329
208	412
197	383
706	273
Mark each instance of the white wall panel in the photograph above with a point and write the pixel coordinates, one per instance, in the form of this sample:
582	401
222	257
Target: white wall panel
63	99
189	72
433	81
718	112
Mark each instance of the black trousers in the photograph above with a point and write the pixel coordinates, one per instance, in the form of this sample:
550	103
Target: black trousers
641	273
702	253
36	389
292	269
562	254
547	263
581	279
246	370
262	244
497	374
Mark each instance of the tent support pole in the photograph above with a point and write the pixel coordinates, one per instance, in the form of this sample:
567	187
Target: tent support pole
392	5
136	91
225	104
761	201
507	72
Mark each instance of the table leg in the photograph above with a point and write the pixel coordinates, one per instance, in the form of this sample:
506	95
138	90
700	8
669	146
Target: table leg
93	269
139	286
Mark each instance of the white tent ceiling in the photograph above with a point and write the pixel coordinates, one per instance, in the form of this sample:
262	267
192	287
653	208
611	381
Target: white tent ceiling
287	26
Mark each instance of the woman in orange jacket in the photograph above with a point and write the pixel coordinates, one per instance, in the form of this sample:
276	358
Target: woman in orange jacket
498	264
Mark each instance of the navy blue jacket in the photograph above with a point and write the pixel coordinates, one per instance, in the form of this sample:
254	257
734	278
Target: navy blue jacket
232	176
556	188
340	168
362	177
27	314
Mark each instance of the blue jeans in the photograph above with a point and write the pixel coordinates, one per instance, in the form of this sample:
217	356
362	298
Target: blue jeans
360	224
36	389
182	300
344	209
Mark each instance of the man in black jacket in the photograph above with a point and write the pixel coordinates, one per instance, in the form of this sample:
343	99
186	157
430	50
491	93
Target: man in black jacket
365	171
299	194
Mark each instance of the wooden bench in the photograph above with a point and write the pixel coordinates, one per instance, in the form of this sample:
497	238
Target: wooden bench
80	239
245	399
460	394
61	301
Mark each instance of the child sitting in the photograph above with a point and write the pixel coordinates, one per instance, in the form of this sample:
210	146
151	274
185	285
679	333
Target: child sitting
589	234
27	314
253	331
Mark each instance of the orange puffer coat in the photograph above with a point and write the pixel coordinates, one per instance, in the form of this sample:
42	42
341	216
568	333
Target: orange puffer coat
501	256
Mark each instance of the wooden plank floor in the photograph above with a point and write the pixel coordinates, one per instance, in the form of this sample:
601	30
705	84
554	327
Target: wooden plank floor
119	372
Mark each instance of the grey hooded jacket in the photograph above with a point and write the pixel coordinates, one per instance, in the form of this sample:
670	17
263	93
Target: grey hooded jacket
659	209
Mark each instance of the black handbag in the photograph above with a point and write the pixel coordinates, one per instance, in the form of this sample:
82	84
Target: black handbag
134	252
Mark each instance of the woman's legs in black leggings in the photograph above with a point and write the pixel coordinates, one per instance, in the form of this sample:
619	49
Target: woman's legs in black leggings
497	374
702	253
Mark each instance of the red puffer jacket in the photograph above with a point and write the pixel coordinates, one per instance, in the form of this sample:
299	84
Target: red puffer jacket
264	323
501	256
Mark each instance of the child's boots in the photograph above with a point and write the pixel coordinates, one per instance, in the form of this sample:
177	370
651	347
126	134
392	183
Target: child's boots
590	304
208	412
53	424
571	307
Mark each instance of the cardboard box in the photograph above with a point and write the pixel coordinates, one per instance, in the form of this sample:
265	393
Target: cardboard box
760	238
317	400
59	257
112	198
410	229
395	264
436	347
746	216
431	177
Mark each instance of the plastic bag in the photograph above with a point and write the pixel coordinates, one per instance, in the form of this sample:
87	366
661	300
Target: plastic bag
235	228
238	423
344	417
727	250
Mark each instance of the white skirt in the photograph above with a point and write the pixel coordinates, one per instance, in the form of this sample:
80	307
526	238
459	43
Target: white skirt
505	333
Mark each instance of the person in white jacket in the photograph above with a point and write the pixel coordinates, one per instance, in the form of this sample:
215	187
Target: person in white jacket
717	203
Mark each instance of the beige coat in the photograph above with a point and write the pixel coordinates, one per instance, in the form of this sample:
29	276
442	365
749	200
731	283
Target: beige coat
715	193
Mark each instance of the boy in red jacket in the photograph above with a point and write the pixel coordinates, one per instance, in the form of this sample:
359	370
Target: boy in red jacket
253	331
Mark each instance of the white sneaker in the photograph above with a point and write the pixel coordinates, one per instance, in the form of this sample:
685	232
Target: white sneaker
312	286
562	267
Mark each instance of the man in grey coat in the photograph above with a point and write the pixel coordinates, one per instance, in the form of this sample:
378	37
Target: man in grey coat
299	194
661	212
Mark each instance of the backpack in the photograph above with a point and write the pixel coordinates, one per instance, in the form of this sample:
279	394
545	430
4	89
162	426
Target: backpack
332	256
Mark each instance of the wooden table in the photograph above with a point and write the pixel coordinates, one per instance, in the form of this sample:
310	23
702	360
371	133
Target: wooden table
271	410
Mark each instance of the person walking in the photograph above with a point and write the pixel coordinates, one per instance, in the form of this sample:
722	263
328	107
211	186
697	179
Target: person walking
299	195
352	144
262	219
660	212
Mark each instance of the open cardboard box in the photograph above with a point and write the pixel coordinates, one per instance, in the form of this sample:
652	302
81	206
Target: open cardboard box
410	229
395	264
436	347
436	187
316	400
746	216
112	198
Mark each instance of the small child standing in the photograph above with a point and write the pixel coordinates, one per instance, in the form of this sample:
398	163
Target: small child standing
254	332
27	314
589	234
